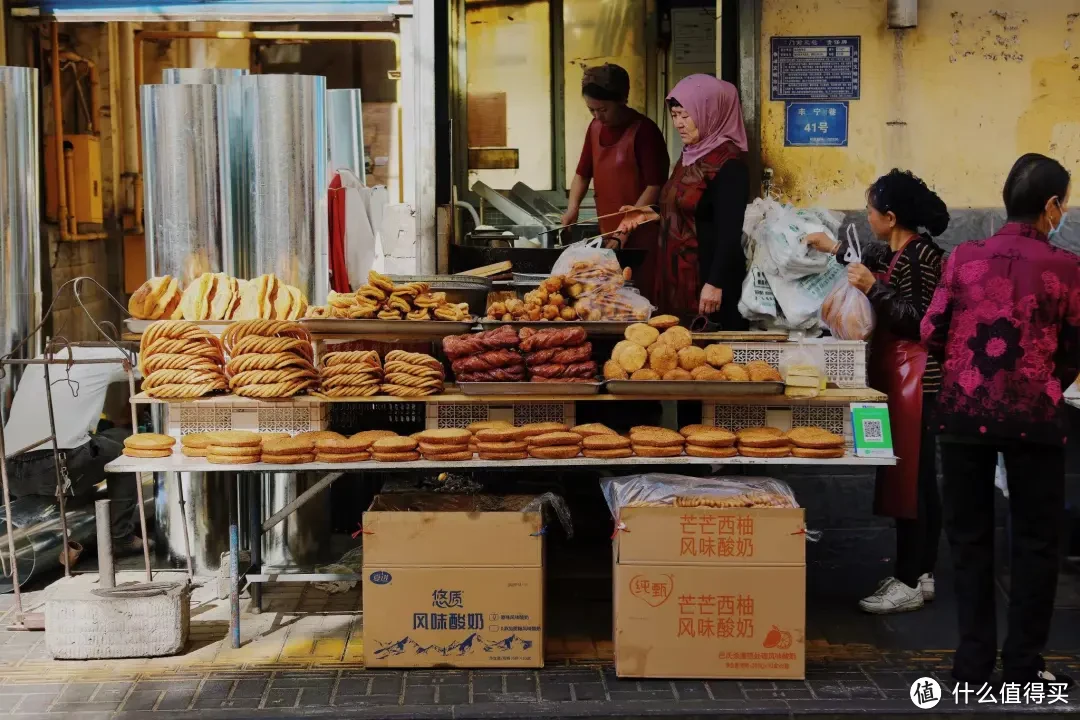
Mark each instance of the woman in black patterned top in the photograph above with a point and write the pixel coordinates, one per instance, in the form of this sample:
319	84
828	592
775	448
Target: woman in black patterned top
899	277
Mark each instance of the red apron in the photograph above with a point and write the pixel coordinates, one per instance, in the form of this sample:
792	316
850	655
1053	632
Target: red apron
896	368
617	181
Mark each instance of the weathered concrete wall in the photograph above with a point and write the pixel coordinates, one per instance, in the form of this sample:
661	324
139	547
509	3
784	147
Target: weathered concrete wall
956	100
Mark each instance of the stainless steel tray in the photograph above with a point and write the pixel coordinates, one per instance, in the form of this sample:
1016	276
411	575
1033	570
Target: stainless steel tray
595	328
528	388
386	328
692	388
212	326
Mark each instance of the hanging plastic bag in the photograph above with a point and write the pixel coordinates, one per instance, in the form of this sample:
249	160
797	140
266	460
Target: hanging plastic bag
1001	478
846	311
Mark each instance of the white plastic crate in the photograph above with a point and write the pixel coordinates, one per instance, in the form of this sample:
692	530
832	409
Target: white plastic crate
296	415
834	418
459	415
845	360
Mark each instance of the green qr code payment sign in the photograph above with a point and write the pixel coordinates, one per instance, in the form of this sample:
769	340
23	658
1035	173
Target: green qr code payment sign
871	429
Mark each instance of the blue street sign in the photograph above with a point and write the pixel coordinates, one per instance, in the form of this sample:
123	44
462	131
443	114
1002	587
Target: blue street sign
816	124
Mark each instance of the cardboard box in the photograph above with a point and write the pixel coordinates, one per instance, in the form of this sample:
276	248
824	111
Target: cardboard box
453	581
709	593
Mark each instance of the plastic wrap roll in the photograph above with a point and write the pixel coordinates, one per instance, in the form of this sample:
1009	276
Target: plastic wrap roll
287	180
183	171
20	228
345	123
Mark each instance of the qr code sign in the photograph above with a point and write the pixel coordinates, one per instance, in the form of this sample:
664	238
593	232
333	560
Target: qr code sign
873	431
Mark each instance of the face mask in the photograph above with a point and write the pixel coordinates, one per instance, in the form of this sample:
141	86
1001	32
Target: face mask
1055	231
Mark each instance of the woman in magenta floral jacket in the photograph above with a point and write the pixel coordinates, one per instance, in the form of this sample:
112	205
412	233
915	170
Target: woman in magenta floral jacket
1005	325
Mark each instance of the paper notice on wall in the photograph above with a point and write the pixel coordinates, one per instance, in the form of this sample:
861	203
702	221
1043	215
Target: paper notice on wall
693	36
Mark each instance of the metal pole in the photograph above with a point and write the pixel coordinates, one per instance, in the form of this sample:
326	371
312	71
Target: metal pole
234	568
59	478
183	524
9	527
138	480
106	573
300	500
254	499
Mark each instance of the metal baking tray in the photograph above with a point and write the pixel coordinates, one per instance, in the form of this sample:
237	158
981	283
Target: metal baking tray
595	328
692	388
211	326
528	388
386	328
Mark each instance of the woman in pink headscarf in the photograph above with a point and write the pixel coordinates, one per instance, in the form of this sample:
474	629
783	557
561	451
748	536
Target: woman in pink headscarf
702	205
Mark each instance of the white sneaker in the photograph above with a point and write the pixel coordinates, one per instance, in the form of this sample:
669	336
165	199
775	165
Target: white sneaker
926	584
892	596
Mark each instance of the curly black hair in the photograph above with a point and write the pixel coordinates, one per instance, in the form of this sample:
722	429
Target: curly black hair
908	197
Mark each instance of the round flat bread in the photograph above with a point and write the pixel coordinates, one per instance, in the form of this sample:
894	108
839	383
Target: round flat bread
288	458
590	429
487	424
691	357
614	454
663	322
195	440
226	451
677	338
141	453
707	373
678	375
815	438
818	453
691	429
663	358
632	358
445	436
342	457
711	452
765	452
504	455
233	460
193	451
335	446
509	446
735	373
614	371
605	442
149	441
372	435
499	434
274	436
539	428
555	452
316	435
394	445
641	334
289	446
714	438
645	374
552	439
450	456
657	437
719	355
427	448
396	456
235	438
762	437
652	451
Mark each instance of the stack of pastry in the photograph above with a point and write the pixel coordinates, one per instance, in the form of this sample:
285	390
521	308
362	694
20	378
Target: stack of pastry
149	445
490	356
268	298
764	442
607	446
380	298
555	445
341	449
656	442
195	444
558	355
156	299
211	296
217	296
590	429
649	354
357	373
289	451
180	360
711	443
446	444
500	442
815	442
409	374
269	359
233	447
395	449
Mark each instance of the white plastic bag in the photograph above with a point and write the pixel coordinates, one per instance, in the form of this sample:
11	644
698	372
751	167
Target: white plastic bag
778	231
846	311
1001	479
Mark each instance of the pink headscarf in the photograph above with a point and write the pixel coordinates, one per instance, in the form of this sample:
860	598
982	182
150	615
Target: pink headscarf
713	105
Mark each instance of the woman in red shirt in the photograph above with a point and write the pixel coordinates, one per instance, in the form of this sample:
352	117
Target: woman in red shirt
1005	326
625	157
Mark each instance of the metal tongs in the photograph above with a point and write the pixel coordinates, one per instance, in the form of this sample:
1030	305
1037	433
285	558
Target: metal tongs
597	240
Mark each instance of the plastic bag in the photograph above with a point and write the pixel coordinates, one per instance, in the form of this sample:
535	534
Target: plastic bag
806	355
596	285
660	489
592	267
801	300
1001	478
846	311
624	305
779	232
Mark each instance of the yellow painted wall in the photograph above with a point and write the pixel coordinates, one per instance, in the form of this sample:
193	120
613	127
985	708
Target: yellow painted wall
956	100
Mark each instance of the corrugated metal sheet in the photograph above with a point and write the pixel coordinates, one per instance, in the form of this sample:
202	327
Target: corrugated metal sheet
205	10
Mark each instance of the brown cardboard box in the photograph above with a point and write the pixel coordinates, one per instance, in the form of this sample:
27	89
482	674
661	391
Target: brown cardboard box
453	581
709	593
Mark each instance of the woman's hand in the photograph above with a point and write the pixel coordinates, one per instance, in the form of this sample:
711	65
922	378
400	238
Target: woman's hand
633	217
710	299
570	216
615	241
821	242
860	277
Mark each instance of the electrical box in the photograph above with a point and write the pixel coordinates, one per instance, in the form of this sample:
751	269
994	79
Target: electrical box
87	204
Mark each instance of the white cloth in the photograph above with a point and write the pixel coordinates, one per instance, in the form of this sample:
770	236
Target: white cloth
77	404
